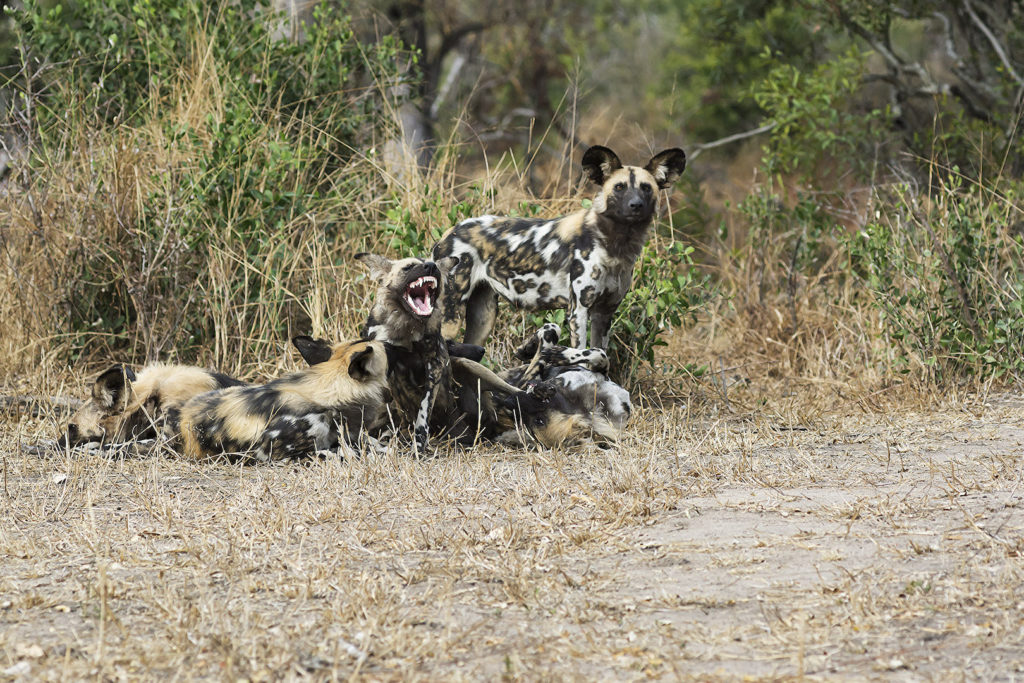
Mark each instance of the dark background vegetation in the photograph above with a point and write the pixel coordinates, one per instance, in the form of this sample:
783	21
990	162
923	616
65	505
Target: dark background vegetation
189	180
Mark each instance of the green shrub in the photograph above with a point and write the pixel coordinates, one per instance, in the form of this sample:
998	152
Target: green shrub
226	144
817	122
948	277
667	292
414	233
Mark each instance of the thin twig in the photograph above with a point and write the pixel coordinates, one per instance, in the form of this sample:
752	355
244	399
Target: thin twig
697	149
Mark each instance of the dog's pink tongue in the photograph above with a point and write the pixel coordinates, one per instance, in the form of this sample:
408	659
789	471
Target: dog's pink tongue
422	305
419	299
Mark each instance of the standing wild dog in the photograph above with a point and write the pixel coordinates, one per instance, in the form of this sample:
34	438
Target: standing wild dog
579	402
343	390
582	262
125	406
425	372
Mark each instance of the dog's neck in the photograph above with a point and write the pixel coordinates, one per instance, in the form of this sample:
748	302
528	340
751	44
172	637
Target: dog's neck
623	241
398	328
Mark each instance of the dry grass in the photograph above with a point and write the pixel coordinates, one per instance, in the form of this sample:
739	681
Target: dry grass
872	545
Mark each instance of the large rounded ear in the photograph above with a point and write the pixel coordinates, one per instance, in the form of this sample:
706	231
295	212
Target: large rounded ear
314	351
599	163
460	350
361	365
379	266
113	388
471	351
667	166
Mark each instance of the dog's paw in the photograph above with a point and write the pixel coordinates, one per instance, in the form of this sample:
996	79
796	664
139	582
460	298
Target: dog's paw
549	334
542	391
470	351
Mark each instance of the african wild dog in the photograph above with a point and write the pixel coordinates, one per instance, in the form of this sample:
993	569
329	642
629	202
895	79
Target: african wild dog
317	408
582	262
579	402
125	406
425	372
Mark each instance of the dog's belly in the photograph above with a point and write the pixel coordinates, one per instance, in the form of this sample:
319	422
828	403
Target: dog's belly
533	291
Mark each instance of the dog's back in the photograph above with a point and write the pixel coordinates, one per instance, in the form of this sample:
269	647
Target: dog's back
344	389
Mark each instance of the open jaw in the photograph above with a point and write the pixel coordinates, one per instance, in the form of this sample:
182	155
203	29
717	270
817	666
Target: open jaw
420	295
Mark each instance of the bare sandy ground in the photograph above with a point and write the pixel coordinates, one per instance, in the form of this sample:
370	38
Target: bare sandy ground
881	546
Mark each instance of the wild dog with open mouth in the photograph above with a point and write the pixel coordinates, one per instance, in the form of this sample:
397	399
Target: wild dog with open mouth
582	262
125	406
405	310
425	371
577	400
317	408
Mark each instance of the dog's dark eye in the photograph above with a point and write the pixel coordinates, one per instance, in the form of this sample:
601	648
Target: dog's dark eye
541	421
645	187
619	187
408	267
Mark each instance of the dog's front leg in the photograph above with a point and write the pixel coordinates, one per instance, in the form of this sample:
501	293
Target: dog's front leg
578	316
421	425
602	323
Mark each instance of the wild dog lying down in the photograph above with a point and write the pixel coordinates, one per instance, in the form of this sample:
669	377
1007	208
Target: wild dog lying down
317	408
582	262
425	372
580	402
125	406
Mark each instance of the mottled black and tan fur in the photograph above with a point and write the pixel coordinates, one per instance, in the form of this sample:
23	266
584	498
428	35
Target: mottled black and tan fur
569	395
126	406
582	262
425	372
320	407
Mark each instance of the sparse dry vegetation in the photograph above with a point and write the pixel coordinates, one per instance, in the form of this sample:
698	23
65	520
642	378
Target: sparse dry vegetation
822	478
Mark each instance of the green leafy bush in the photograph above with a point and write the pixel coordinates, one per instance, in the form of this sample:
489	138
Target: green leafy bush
816	119
415	231
948	277
223	144
667	292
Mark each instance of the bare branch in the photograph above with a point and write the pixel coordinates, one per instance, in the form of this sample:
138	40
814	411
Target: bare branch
697	149
882	49
454	70
996	46
947	30
450	40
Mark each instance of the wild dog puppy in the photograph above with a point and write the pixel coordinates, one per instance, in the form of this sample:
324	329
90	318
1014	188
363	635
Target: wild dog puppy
424	370
578	401
125	406
343	390
582	262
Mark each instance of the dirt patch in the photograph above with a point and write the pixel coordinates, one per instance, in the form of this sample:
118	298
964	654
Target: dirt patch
858	547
